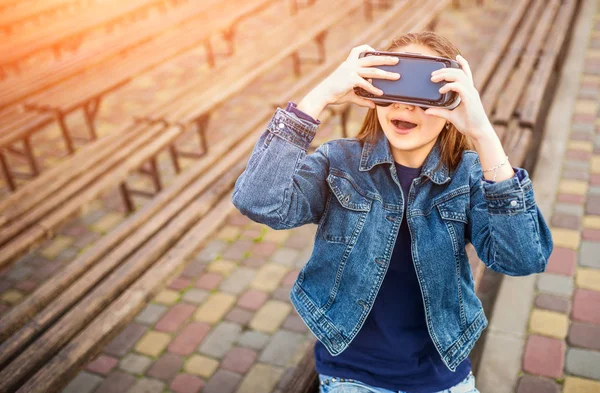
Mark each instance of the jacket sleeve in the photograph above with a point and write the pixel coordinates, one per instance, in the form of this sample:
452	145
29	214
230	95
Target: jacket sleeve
282	186
506	227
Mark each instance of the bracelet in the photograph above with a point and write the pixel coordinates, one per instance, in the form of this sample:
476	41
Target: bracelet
495	169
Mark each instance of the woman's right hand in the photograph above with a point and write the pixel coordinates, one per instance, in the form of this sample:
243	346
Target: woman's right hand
338	87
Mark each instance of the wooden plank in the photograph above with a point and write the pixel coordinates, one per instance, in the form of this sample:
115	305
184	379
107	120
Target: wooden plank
99	331
521	76
509	59
534	97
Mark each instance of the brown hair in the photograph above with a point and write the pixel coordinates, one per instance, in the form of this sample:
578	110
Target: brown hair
452	141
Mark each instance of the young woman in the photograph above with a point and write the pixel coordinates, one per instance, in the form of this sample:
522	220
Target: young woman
388	290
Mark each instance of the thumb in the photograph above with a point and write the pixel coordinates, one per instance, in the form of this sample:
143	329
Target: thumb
443	113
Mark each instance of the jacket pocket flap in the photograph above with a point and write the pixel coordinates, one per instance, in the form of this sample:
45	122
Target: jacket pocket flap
347	194
455	208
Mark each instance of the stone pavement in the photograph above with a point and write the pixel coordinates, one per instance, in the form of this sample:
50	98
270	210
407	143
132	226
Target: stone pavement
547	325
225	323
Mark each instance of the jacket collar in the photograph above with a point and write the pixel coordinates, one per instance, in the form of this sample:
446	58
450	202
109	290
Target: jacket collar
380	152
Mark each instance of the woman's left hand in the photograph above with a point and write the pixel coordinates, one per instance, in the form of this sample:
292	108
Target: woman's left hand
469	116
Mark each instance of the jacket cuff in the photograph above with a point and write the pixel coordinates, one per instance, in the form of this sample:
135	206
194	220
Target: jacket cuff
518	173
292	107
289	127
510	196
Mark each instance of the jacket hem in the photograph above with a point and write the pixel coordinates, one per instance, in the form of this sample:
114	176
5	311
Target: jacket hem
458	351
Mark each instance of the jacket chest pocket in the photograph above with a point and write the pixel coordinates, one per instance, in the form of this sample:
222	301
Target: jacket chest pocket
346	210
453	212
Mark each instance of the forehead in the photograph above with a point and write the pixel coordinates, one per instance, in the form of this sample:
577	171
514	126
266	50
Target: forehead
417	48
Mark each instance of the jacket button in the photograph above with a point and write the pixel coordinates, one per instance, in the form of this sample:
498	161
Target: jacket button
281	125
513	203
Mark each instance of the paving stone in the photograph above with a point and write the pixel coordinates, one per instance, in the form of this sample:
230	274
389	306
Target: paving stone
220	339
186	383
584	335
285	256
592	205
239	359
253	339
268	277
215	307
553	303
229	233
588	278
186	342
200	365
116	382
239	315
260	378
595	164
549	323
135	364
211	250
562	261
175	317
252	299
276	236
209	281
569	209
282	294
281	348
102	364
19	273
179	283
568	238
561	220
222	381
294	323
12	296
237	249
263	248
166	367
238	280
571	198
194	268
585	306
150	314
107	222
290	278
222	266
591	234
580	385
577	187
555	284
167	297
535	384
56	246
26	286
270	316
125	340
254	261
195	295
589	254
544	356
583	362
153	343
146	385
83	382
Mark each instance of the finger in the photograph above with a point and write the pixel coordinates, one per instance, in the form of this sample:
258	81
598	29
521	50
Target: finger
369	61
454	86
362	101
367	86
439	112
465	66
448	77
377	73
357	50
453	73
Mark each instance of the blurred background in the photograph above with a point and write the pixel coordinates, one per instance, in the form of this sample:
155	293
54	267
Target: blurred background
124	267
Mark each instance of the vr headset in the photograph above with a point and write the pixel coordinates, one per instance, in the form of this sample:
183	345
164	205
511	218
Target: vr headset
414	86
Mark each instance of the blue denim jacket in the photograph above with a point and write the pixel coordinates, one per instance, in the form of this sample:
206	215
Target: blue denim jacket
351	191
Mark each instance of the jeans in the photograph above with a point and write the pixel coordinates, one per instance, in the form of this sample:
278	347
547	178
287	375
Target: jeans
331	384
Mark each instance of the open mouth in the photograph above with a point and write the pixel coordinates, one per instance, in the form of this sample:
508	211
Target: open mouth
403	125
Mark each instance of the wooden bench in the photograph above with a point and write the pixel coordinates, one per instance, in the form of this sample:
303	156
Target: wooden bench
38	12
69	32
526	49
67	319
32	213
85	91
